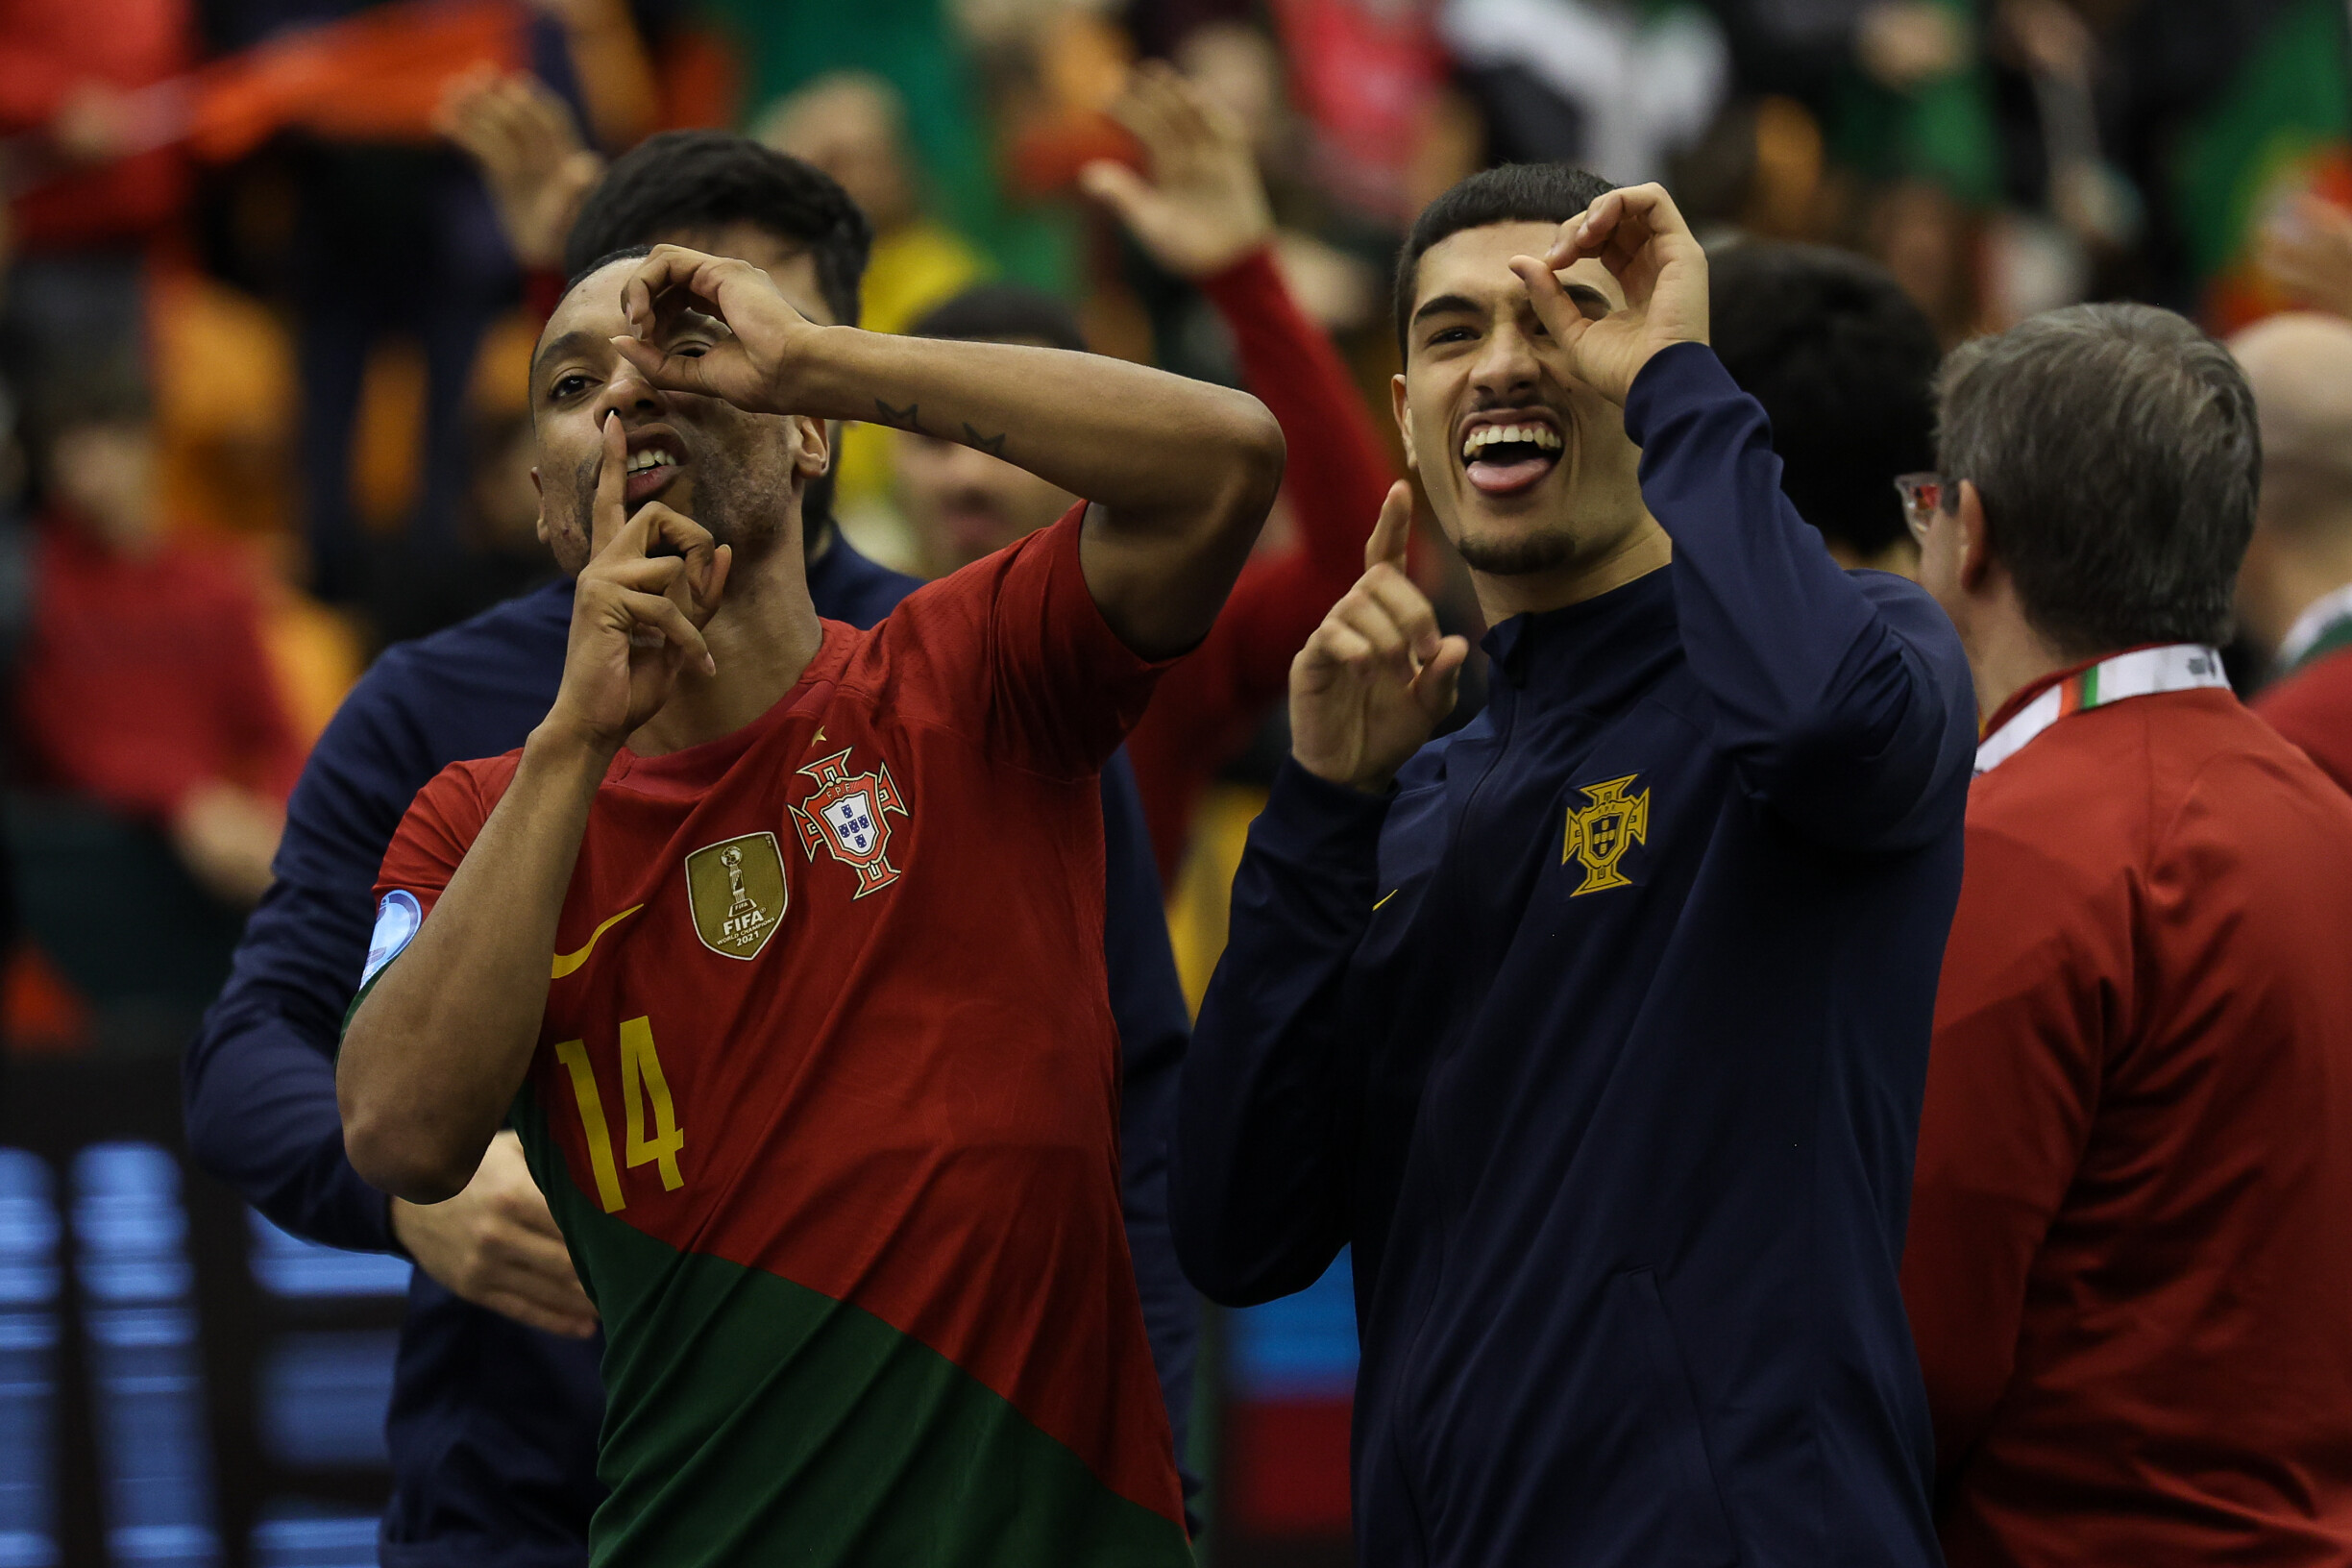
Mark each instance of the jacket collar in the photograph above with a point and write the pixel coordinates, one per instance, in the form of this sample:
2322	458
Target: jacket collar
1591	654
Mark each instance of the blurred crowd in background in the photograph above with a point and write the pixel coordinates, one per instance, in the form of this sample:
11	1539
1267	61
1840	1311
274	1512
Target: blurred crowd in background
271	265
271	272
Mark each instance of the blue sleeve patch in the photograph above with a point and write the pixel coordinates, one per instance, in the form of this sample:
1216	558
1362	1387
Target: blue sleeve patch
397	919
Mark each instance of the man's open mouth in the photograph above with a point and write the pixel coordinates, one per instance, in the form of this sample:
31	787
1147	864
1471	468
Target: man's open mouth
649	470
1504	457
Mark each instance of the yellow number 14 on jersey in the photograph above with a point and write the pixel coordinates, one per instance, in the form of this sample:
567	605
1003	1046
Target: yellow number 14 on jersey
641	1082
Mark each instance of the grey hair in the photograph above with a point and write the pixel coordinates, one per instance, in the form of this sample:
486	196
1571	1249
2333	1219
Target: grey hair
2116	451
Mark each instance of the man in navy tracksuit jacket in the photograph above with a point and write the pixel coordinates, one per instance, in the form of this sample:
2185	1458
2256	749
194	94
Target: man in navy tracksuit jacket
1597	1028
493	1425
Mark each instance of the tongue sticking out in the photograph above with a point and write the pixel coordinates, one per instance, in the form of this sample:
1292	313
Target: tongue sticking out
1502	476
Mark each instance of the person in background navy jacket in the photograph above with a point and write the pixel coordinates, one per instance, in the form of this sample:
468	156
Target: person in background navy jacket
1597	1028
496	1402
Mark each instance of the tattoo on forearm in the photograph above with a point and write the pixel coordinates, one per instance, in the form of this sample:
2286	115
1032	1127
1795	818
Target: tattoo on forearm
909	418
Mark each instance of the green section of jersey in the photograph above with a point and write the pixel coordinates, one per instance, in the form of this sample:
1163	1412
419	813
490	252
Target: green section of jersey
751	1422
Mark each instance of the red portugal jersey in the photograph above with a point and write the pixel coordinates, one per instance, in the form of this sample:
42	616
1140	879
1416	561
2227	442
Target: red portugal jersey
2129	1271
826	1103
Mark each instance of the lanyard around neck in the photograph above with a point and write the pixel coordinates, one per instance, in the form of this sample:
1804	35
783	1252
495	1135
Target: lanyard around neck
2175	666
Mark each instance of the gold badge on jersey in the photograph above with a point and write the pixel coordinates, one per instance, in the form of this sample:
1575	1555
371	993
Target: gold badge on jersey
1610	823
735	889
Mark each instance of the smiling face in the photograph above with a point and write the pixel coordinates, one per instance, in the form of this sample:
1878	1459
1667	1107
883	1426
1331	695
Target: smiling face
1529	472
739	474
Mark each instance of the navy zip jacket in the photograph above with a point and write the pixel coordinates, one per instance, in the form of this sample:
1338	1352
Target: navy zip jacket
1602	1038
493	1425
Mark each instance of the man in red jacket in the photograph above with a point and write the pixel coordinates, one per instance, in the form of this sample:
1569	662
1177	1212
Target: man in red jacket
2294	598
2128	1270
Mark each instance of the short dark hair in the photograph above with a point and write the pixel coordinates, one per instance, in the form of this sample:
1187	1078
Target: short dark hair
1509	193
1843	362
588	270
704	179
2115	451
1002	313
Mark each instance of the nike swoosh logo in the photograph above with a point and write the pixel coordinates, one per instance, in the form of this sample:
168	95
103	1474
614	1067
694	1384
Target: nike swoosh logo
566	962
1384	897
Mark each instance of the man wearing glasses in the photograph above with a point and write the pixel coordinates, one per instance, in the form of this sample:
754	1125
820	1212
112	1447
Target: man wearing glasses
2128	1274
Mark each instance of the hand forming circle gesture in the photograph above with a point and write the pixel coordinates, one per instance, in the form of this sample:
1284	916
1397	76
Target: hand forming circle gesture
750	364
1640	237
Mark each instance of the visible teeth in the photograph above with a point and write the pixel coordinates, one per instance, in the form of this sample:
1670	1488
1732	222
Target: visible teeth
1543	437
650	457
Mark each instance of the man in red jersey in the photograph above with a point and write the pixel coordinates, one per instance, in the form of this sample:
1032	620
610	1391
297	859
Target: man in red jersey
821	1082
2127	1272
2294	598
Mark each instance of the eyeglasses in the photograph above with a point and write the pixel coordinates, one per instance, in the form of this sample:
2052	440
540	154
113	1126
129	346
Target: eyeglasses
1922	497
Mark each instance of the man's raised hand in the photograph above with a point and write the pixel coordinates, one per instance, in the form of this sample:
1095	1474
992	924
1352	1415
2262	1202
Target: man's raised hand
1204	207
532	160
1376	677
709	325
1640	237
637	616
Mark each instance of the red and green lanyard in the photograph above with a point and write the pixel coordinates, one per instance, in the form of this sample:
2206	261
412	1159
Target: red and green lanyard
2175	666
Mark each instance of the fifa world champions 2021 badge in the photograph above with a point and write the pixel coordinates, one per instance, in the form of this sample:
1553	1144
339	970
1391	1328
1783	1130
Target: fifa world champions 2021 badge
847	813
737	891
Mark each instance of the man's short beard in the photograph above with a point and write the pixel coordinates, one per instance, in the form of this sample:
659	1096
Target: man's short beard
749	528
1518	556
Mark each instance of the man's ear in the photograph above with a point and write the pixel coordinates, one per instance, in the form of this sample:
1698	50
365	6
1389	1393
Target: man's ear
1975	539
1404	420
816	453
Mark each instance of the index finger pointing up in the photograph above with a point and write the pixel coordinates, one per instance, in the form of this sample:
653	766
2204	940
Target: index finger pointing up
1394	528
611	507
